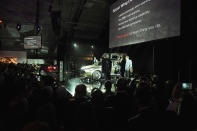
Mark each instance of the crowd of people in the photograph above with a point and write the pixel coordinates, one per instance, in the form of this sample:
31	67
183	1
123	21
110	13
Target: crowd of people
146	102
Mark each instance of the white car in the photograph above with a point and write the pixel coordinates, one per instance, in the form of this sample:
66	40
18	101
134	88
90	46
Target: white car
94	71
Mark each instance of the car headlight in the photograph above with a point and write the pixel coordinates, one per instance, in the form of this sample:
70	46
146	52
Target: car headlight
89	70
83	67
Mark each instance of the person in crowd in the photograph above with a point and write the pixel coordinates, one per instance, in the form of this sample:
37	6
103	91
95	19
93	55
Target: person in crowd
121	104
144	102
106	66
81	108
80	91
128	67
97	98
108	86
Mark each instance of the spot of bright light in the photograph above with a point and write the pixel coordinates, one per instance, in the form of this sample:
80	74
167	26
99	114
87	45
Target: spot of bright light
38	28
92	46
18	27
89	90
1	21
75	45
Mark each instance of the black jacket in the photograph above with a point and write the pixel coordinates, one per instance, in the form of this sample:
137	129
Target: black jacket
106	65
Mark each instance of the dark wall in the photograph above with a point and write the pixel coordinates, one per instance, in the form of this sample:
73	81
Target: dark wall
167	58
141	56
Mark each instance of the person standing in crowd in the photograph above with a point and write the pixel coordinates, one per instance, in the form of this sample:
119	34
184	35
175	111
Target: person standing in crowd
128	67
122	65
106	66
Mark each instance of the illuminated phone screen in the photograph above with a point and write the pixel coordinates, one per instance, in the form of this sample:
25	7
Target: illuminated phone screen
186	85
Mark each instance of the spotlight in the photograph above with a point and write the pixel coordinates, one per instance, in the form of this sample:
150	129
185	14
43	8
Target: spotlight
75	45
92	46
18	27
1	21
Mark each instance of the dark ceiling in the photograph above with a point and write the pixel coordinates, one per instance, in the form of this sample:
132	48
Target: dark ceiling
61	22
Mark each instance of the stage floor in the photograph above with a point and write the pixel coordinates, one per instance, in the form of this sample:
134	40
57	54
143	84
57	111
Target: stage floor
73	82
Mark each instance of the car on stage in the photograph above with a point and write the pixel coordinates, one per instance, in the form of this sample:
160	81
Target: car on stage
94	71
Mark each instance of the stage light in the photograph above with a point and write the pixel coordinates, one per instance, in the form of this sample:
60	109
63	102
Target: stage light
18	27
1	21
75	45
92	46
